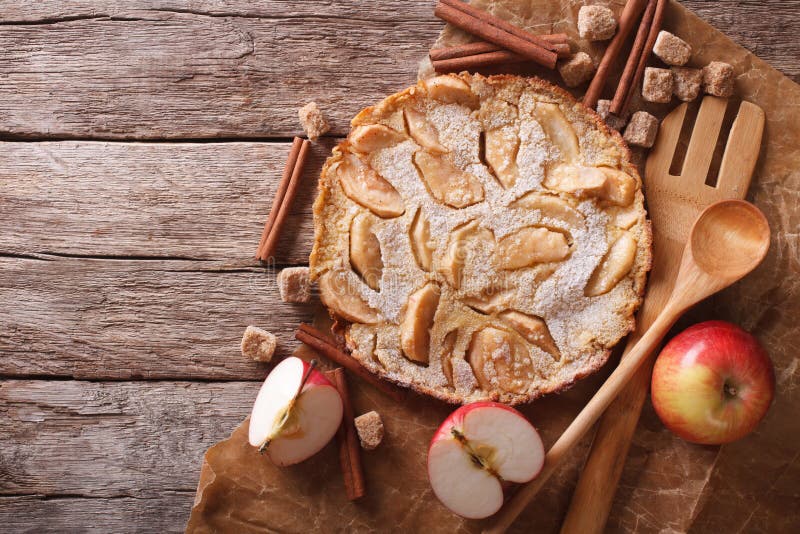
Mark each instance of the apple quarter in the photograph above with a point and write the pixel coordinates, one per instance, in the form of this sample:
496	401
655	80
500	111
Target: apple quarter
311	422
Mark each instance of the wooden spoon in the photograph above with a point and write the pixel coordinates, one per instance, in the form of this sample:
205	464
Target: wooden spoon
727	241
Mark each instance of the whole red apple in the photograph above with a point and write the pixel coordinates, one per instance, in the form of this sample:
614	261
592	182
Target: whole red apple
712	383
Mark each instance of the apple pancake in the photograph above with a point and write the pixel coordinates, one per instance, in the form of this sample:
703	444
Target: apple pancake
481	238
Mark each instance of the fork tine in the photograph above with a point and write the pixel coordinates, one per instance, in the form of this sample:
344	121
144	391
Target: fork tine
741	152
660	159
704	137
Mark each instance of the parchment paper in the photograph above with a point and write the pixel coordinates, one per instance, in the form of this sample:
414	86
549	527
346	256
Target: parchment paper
668	485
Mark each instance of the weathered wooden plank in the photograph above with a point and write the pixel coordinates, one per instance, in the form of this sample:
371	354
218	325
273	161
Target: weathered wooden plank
188	200
104	69
110	457
155	73
43	11
166	512
103	319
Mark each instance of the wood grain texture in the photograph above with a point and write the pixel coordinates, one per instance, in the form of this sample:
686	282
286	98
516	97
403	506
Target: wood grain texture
171	72
182	219
106	70
112	457
204	201
100	319
166	512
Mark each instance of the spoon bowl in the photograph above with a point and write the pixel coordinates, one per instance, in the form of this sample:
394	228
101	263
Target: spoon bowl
729	239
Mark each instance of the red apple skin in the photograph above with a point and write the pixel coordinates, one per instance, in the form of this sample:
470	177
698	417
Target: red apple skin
456	419
712	383
316	377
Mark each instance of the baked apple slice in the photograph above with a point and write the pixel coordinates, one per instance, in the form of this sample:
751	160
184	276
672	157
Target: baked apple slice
366	187
529	246
616	264
365	250
341	295
447	183
415	335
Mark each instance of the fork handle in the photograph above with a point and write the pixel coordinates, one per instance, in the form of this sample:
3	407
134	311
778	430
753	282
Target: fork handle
587	418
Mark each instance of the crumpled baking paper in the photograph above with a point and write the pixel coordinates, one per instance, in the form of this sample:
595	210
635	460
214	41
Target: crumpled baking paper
667	485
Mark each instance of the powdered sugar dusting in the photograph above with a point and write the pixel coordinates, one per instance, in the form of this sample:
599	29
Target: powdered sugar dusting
578	324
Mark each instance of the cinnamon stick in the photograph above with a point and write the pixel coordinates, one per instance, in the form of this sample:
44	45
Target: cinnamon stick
655	28
497	22
627	21
476	61
319	342
557	40
349	449
482	54
280	193
287	189
456	14
632	65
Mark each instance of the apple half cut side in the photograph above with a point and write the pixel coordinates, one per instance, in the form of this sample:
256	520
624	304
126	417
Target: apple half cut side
476	452
291	429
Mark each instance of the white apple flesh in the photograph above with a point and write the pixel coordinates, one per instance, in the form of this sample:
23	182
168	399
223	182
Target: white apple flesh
478	450
712	383
291	429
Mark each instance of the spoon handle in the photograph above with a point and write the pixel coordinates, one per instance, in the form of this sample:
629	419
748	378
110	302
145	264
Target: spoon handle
587	418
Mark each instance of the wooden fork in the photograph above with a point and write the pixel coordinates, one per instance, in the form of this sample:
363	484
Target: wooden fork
674	202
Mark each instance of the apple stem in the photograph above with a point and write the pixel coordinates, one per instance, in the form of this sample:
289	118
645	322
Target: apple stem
311	365
479	460
730	390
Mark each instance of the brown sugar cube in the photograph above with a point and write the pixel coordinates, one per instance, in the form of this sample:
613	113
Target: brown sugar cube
313	121
577	70
686	83
613	121
642	130
596	23
718	79
370	430
294	284
258	344
657	85
671	49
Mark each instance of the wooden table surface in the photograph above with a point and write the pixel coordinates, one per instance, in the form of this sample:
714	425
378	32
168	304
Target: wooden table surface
140	145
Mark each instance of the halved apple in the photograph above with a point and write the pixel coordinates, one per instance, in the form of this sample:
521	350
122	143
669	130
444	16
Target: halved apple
297	411
478	450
